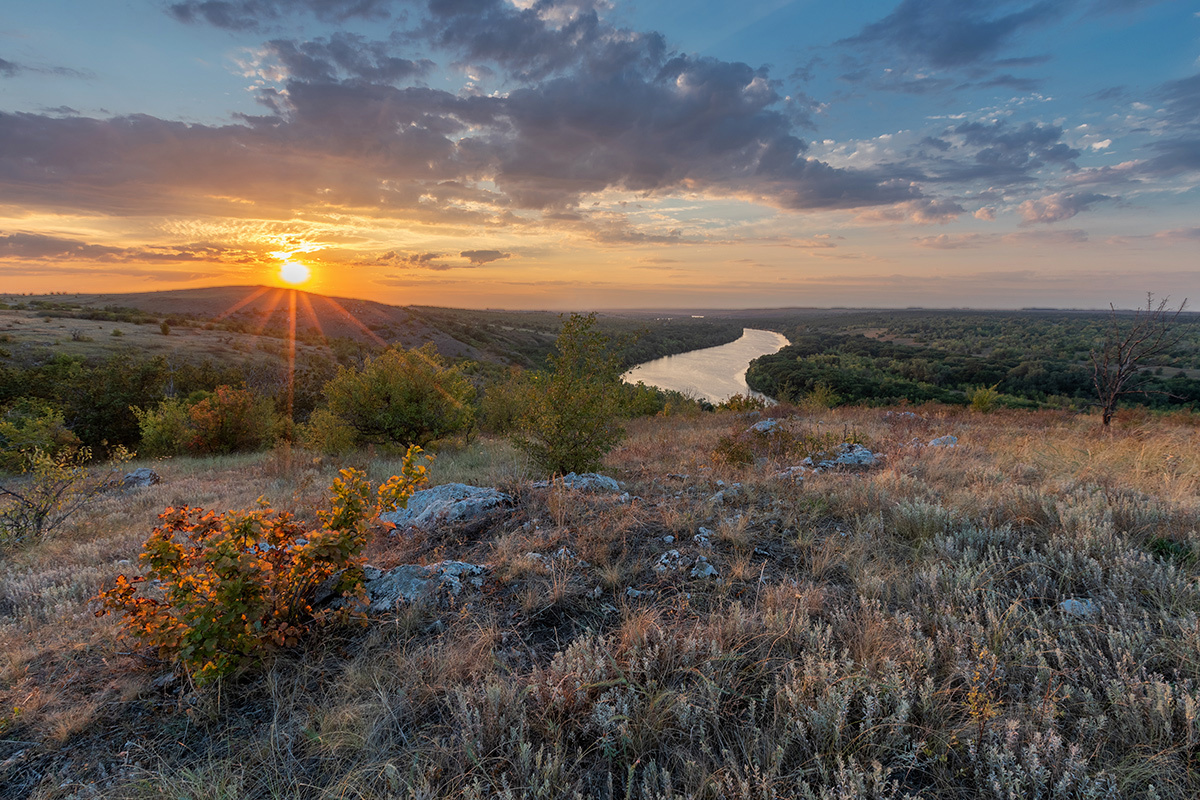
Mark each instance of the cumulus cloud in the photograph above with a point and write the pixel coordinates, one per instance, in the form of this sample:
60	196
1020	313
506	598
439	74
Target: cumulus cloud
1057	207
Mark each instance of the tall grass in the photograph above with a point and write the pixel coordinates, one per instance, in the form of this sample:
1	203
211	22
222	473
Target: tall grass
895	632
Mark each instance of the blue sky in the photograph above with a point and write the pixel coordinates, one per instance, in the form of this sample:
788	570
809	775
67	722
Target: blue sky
583	154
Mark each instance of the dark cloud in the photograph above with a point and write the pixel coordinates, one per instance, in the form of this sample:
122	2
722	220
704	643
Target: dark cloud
1057	207
480	257
37	247
255	14
345	55
426	261
954	33
9	68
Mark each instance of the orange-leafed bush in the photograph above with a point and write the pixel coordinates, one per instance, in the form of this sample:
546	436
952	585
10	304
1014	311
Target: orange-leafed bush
235	586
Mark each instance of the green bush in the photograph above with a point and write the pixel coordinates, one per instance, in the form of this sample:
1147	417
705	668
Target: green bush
30	425
572	421
326	433
166	429
238	585
402	397
983	399
504	403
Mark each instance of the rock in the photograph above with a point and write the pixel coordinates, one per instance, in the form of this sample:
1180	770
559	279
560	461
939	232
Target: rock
409	582
847	455
901	414
450	502
703	569
1084	609
765	426
636	593
730	492
701	539
944	441
587	482
669	560
796	473
143	476
668	539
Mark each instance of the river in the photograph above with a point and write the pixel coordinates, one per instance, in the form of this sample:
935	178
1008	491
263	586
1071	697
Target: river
715	373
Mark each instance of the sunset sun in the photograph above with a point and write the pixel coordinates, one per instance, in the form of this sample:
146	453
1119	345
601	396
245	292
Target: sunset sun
293	272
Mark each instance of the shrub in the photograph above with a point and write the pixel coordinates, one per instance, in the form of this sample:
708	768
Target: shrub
571	422
983	399
30	425
326	433
54	487
402	397
165	428
231	420
236	586
504	403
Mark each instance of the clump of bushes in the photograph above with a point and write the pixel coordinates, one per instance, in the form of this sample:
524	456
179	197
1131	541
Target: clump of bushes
239	585
226	420
54	487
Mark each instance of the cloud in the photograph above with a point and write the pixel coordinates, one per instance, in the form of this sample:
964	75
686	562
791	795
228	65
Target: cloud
922	212
344	55
480	257
255	14
24	246
8	68
1057	207
953	33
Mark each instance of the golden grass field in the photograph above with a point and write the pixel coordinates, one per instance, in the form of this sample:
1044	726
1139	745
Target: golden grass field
890	632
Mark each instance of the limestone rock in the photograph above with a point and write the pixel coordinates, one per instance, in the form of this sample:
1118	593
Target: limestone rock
143	476
765	426
409	582
944	441
448	503
587	482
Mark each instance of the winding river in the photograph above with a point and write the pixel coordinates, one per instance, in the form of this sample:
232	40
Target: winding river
715	373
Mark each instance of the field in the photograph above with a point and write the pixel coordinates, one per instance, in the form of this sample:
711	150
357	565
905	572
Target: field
1015	616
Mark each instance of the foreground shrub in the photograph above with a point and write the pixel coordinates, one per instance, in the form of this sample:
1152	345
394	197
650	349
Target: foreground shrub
239	584
572	421
54	487
402	397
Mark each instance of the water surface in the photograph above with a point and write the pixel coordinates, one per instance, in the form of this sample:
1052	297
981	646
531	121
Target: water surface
715	373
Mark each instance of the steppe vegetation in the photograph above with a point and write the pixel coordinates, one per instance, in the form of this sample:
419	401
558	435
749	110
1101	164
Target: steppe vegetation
1015	614
905	629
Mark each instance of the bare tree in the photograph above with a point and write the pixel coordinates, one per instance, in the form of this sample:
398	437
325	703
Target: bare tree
1151	332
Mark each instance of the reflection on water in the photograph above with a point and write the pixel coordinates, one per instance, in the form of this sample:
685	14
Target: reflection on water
714	373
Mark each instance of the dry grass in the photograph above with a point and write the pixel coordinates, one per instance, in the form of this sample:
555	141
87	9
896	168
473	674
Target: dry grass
889	632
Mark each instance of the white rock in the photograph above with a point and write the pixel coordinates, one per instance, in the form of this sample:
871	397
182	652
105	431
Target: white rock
143	476
765	426
1084	609
703	569
450	502
587	482
668	561
944	441
409	582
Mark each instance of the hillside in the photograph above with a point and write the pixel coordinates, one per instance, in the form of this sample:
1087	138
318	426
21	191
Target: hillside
1013	616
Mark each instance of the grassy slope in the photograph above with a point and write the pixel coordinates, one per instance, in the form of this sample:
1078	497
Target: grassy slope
877	633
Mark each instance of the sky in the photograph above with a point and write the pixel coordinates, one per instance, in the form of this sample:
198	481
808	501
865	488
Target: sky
587	154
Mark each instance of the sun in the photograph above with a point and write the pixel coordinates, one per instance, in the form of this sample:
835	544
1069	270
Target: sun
293	272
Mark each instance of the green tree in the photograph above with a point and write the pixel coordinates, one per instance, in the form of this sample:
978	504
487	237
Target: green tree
572	419
402	397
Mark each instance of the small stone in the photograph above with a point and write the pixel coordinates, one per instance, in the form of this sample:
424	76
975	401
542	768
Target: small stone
765	426
944	441
668	561
703	569
1084	609
636	593
668	539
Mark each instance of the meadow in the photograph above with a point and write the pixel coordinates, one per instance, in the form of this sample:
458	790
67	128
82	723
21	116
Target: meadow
1016	616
